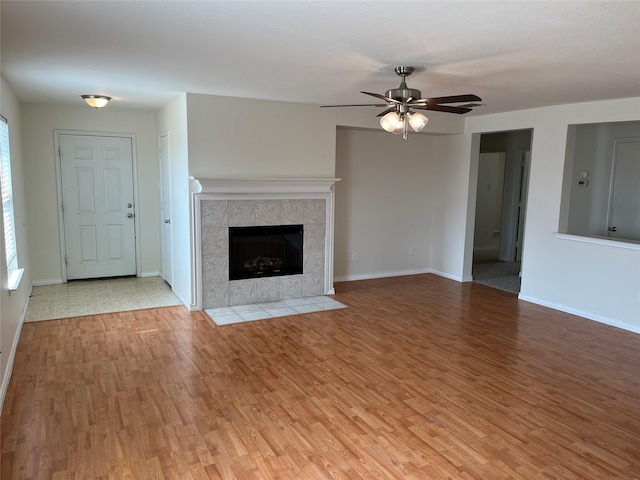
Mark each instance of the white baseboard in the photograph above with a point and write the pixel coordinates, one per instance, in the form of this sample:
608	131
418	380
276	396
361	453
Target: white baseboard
149	274
187	303
369	276
457	278
42	283
58	281
580	313
12	355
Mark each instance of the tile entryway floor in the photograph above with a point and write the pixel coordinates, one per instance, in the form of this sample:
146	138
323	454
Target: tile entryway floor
261	311
90	297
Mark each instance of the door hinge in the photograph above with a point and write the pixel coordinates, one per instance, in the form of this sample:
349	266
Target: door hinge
66	260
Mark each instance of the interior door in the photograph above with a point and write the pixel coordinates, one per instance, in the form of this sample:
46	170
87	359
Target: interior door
97	205
165	208
624	204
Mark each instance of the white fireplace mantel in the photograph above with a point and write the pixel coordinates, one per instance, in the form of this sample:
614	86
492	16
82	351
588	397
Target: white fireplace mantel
262	185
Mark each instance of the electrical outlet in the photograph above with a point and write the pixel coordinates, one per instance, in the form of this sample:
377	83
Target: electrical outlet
351	257
411	252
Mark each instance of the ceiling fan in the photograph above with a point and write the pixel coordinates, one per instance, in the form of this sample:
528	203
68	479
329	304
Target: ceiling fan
401	102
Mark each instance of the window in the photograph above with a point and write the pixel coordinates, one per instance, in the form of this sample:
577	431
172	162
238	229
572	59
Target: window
7	198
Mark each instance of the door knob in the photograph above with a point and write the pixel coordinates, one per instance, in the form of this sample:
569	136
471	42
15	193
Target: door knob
129	215
613	229
167	221
129	205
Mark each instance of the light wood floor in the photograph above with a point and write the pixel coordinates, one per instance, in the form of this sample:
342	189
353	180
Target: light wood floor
419	378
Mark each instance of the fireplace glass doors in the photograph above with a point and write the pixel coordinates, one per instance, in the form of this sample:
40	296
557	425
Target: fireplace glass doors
265	251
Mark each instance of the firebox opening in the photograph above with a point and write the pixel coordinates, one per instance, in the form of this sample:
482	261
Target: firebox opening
265	251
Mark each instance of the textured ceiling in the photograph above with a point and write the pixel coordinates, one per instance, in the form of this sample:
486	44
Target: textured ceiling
513	54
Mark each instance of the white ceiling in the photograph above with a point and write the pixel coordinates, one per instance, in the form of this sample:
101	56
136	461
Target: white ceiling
513	54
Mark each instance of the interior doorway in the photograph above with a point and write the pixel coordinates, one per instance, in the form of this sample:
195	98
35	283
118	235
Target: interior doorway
503	179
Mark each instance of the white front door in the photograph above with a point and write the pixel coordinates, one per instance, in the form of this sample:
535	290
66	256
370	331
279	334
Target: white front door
98	206
624	205
165	207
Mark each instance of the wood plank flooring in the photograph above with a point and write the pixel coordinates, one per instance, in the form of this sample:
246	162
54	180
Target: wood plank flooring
419	378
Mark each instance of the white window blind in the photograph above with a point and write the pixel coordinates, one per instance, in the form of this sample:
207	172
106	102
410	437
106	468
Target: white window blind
7	196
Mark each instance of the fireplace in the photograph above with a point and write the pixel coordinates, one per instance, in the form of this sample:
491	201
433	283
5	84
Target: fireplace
265	251
224	203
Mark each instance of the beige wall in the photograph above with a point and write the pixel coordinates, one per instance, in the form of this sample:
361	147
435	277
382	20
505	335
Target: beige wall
383	203
234	137
38	124
452	194
13	306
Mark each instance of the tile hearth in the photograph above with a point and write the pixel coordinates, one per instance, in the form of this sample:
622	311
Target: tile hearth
248	313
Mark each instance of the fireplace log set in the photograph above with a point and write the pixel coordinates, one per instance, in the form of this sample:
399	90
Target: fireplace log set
265	251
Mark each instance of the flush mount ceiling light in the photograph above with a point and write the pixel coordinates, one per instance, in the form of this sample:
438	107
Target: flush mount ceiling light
96	101
401	102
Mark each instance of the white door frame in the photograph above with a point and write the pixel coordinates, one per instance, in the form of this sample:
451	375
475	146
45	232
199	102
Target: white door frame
136	220
166	210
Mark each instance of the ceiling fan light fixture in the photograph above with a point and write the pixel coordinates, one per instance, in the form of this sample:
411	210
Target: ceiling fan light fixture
96	101
400	101
391	122
417	121
400	126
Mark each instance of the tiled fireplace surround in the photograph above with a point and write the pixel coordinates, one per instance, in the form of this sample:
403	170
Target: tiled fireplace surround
223	203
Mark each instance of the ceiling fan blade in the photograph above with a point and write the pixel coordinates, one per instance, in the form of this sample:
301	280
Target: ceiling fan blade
442	108
388	110
453	99
357	105
382	97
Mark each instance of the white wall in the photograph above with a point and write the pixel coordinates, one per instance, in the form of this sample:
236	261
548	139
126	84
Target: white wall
38	124
13	306
383	203
172	118
597	281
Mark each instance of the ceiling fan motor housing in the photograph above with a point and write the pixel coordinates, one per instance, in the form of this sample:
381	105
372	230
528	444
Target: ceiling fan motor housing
403	93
